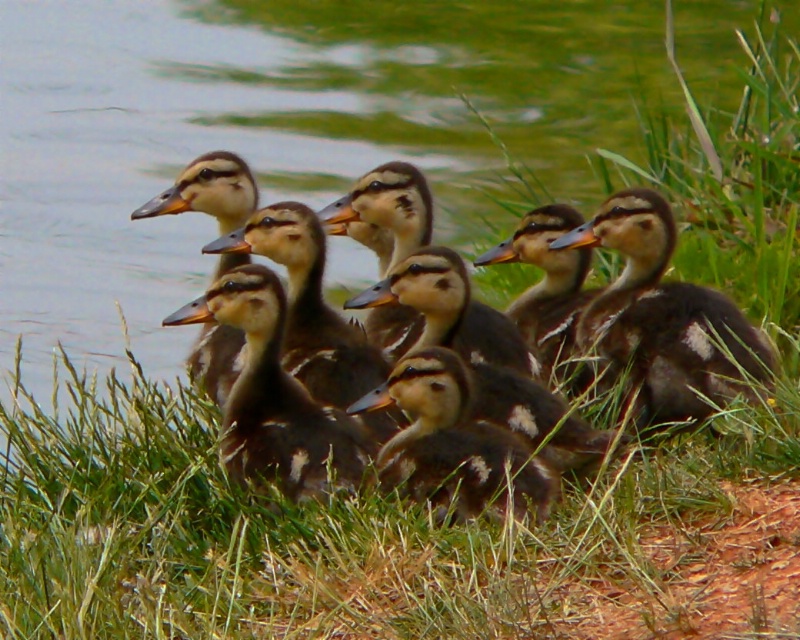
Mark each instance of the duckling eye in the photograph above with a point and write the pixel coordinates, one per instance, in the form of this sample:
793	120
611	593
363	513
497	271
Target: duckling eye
618	210
230	286
415	269
205	175
375	185
267	222
410	371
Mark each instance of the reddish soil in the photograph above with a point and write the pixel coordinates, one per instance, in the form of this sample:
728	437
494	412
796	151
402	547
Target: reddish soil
732	579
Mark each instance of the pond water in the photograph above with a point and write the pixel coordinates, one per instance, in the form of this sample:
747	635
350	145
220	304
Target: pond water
104	101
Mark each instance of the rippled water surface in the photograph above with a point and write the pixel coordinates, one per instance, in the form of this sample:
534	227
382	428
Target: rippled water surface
104	101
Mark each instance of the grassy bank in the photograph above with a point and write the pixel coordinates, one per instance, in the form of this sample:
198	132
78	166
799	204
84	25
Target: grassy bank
117	521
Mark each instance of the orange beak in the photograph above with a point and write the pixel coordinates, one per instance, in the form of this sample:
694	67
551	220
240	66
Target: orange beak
375	296
376	399
338	212
231	243
337	229
196	312
168	202
503	252
582	236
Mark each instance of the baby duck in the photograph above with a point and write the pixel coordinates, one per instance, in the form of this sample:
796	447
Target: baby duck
396	197
670	334
222	185
272	429
330	356
447	454
435	282
547	313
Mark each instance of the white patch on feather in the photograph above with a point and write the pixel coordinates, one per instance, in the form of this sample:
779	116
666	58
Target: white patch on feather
542	468
299	461
566	324
479	466
206	338
227	458
325	354
240	361
534	365
522	420
633	339
650	294
476	358
391	347
696	338
604	328
407	468
276	425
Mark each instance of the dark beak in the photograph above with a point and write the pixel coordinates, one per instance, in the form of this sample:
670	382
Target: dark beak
376	399
375	296
582	236
338	212
503	252
166	203
231	243
196	312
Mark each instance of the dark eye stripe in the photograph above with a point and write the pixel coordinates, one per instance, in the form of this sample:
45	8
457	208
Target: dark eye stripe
535	227
415	373
386	187
214	175
416	272
618	212
269	223
236	288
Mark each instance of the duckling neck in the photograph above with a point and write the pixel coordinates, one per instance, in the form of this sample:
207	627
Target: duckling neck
384	263
306	292
640	273
554	285
263	388
440	329
419	429
229	261
409	238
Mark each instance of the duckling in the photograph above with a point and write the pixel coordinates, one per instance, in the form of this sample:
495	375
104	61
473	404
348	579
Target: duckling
221	184
434	281
394	196
272	429
447	454
331	357
670	334
547	313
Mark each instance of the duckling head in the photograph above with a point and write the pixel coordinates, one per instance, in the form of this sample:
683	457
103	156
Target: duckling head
219	183
250	298
531	242
287	232
433	280
637	222
394	196
430	385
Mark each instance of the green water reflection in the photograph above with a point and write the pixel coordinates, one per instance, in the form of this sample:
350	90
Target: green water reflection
555	79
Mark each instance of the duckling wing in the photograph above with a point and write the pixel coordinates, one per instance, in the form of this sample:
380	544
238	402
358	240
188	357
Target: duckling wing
532	411
487	335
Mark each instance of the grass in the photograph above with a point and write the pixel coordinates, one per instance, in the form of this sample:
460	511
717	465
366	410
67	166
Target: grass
117	521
